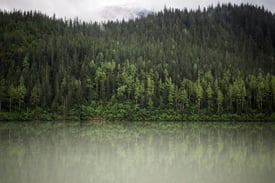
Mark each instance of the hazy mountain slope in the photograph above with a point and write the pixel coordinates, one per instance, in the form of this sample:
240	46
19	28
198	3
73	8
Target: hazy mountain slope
216	60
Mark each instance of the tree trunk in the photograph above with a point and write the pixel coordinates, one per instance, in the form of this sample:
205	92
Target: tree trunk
199	104
10	104
182	109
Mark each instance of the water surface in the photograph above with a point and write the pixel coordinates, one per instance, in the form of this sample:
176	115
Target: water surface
141	152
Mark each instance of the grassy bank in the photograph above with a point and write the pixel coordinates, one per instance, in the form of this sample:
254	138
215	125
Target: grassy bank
129	112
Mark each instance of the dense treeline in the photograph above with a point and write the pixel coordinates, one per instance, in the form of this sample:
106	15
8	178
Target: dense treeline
212	61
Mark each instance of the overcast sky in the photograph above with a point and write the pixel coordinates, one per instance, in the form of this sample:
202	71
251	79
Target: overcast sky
95	10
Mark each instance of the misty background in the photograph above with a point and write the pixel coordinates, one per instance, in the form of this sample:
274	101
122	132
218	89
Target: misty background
102	10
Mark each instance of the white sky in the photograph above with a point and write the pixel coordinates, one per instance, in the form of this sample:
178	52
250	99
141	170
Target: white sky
93	10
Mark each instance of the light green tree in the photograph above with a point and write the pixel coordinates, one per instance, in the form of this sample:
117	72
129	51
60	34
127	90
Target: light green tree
21	92
35	95
171	91
199	94
12	95
260	90
150	91
209	93
100	77
219	100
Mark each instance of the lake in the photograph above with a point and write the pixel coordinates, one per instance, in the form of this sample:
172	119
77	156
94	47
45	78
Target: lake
137	152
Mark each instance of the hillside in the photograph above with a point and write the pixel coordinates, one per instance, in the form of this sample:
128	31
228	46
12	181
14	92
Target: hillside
170	65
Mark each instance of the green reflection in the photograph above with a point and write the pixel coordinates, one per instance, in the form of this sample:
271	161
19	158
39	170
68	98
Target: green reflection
137	152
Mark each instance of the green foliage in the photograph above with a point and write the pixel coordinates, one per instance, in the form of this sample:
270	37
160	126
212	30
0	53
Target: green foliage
135	69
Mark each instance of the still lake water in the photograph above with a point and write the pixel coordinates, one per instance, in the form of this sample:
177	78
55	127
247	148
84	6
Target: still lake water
137	152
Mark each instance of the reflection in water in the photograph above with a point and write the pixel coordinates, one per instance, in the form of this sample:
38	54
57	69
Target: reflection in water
137	152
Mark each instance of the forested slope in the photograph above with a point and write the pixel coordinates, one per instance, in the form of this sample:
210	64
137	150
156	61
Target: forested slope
170	65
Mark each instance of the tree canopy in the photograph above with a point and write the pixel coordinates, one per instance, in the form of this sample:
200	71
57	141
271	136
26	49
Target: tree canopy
216	60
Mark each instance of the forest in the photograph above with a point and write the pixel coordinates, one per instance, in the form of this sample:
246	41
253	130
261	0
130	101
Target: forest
214	63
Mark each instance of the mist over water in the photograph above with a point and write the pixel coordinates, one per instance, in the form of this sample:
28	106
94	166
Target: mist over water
141	152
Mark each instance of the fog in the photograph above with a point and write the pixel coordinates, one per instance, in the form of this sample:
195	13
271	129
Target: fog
102	10
137	153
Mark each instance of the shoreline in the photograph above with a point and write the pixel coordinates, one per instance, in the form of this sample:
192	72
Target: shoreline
138	116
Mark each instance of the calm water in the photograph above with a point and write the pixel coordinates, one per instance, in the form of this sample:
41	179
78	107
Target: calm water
153	152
